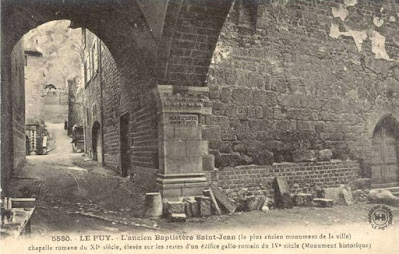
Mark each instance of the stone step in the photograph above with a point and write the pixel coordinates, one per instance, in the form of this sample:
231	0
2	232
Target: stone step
384	185
393	189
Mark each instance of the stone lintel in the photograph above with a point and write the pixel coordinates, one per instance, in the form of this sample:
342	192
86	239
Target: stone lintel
182	89
174	186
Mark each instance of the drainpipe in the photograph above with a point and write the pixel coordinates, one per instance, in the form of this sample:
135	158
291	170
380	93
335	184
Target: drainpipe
100	69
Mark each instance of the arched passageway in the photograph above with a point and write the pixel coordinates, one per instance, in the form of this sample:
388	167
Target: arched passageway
161	50
385	162
106	17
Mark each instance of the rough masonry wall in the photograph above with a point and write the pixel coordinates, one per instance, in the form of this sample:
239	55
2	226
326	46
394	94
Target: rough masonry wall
124	94
134	97
190	33
144	128
302	75
306	174
111	79
18	105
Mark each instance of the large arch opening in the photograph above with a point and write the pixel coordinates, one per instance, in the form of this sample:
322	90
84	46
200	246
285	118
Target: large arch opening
125	37
160	54
52	60
385	162
111	85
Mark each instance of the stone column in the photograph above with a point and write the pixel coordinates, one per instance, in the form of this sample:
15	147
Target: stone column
181	149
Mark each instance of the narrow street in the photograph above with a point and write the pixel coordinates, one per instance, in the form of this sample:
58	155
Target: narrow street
74	193
75	196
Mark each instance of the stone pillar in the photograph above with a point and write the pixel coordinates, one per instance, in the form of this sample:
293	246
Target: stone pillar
181	148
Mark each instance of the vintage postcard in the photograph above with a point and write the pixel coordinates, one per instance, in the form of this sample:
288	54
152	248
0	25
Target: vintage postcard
199	126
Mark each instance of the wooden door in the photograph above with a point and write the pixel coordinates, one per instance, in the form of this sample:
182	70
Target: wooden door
99	147
385	157
97	143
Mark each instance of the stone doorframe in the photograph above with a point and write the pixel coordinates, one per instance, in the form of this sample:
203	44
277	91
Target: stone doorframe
387	161
181	112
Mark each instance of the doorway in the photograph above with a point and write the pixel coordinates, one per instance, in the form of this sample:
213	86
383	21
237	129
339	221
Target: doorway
97	142
385	166
125	144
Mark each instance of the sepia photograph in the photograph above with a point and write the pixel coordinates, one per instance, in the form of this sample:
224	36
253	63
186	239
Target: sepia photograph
199	126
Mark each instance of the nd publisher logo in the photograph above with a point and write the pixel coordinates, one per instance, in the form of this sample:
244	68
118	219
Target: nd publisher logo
380	217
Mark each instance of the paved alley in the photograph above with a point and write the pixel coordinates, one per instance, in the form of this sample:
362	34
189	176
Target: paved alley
75	193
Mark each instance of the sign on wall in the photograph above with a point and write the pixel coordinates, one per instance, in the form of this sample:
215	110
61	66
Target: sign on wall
182	119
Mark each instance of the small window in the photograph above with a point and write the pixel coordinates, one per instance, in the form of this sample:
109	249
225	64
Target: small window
95	57
94	109
85	73
87	116
84	37
26	60
88	68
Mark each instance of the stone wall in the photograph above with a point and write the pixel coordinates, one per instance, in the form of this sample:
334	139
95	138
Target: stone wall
92	84
191	31
75	104
18	105
310	174
121	96
112	79
34	85
299	76
55	107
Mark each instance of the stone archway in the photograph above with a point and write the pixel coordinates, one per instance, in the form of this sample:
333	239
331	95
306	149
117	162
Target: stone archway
385	152
105	19
162	50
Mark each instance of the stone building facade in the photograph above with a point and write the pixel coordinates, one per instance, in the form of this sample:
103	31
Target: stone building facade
92	96
114	128
45	101
34	80
75	104
52	58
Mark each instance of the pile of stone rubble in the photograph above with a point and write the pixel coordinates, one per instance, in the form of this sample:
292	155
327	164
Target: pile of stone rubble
216	201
